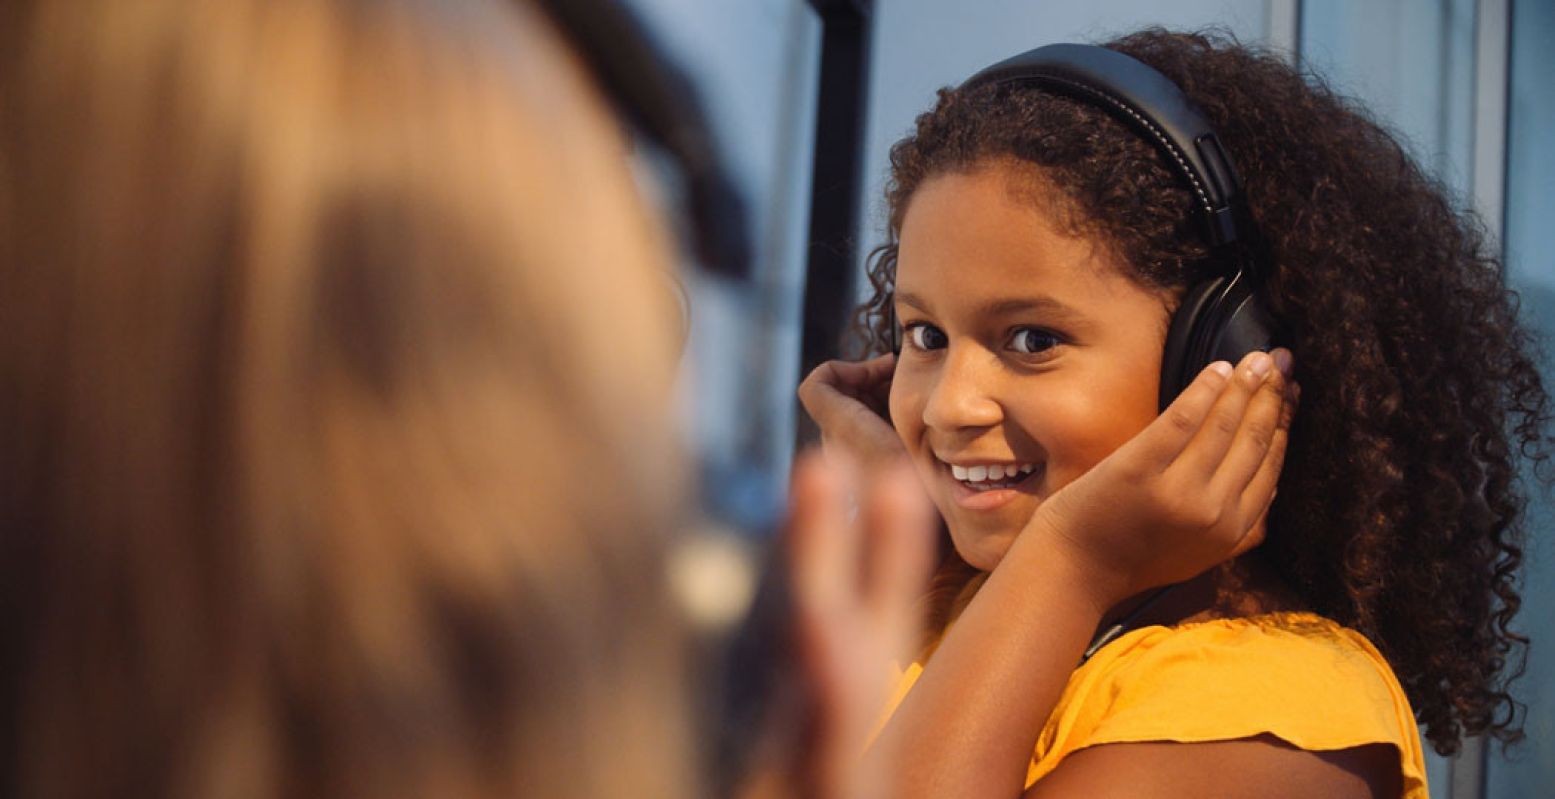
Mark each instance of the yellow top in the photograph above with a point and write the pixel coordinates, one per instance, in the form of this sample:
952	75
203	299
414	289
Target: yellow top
1296	676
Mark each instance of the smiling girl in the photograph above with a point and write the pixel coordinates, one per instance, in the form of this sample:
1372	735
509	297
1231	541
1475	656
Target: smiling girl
1038	248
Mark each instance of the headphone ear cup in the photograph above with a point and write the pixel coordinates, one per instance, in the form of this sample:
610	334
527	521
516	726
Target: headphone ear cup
1240	325
1219	320
1178	362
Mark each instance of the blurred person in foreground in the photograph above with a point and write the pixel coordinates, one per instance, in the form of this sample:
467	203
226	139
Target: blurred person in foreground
337	372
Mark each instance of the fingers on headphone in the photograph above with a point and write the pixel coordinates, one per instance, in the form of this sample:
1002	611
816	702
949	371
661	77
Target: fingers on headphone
852	378
1236	436
863	374
880	367
822	393
1251	537
1256	500
870	380
1215	447
1252	467
1170	433
880	390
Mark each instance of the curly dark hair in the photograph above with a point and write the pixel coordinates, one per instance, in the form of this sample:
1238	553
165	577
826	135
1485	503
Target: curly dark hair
1400	509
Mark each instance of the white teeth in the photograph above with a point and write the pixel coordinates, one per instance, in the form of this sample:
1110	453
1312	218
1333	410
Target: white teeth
991	472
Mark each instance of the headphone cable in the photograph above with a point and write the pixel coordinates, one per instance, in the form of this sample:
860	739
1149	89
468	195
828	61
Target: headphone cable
1122	625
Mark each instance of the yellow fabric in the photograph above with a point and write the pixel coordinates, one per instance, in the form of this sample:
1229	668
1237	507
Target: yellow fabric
1296	676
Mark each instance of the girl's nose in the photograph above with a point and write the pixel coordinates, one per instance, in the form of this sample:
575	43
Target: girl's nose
960	395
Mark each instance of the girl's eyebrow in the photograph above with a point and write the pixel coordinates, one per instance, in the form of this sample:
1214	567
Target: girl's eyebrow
1004	306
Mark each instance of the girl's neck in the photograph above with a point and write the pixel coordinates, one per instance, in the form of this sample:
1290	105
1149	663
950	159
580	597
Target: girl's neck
1243	587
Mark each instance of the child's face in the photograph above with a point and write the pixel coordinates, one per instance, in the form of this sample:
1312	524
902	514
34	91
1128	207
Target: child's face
1025	349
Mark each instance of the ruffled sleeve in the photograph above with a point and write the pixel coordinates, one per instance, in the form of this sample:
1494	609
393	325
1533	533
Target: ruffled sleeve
1298	677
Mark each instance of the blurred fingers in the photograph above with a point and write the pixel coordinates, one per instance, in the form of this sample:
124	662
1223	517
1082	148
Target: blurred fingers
822	546
898	520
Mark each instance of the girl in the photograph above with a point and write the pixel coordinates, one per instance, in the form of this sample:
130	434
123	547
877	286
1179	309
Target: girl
1037	248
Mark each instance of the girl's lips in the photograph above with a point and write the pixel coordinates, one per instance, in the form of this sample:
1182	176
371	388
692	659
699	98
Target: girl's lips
991	499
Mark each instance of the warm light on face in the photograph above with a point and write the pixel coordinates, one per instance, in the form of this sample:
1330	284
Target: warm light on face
1027	355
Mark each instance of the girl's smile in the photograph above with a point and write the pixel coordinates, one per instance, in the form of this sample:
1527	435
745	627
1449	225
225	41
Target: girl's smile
1027	355
986	486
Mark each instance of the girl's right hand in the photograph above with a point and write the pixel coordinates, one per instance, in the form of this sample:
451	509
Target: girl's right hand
847	400
1188	492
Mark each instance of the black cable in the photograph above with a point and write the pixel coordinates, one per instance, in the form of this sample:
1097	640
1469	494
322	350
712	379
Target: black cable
1111	633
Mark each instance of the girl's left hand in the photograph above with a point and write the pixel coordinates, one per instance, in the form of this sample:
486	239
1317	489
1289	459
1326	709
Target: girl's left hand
1186	493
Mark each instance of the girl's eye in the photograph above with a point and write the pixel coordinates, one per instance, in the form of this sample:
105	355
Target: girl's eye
1032	341
925	337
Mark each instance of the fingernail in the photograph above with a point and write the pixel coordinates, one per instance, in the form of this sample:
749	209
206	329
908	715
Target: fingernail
1259	365
1284	362
1221	368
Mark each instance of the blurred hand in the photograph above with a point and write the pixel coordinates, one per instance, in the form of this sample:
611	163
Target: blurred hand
1186	493
848	401
855	583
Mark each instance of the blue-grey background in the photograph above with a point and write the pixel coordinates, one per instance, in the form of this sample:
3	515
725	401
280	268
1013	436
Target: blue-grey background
1466	83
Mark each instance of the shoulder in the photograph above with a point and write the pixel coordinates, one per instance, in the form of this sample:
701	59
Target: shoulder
1265	694
1300	677
1282	653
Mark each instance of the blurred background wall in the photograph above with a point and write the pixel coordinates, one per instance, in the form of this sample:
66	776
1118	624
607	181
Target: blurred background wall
808	96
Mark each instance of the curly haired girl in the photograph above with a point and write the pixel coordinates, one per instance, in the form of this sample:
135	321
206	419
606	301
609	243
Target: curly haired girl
1037	249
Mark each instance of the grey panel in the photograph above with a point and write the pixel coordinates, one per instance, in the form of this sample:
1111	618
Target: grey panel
1529	770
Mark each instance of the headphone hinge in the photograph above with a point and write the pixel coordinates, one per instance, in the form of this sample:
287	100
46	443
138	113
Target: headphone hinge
1221	227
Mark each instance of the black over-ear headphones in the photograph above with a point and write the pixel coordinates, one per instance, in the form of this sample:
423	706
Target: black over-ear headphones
1220	318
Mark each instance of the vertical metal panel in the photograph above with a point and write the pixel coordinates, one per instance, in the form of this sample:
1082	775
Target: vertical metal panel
1284	29
1411	64
1436	74
1529	770
1492	37
834	212
755	64
1486	128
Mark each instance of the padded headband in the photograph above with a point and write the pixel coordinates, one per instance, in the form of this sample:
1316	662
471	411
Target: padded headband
1154	106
